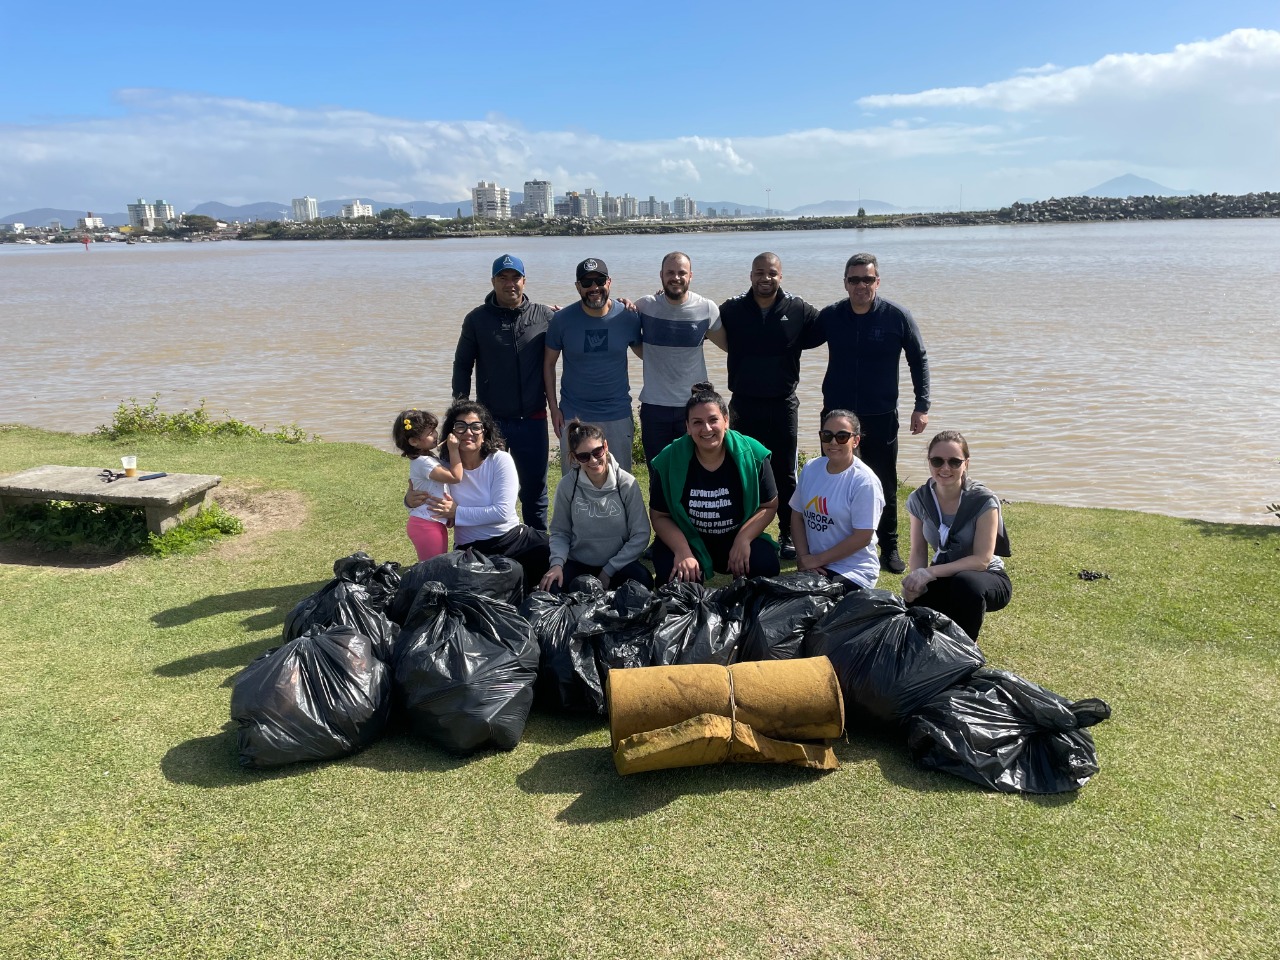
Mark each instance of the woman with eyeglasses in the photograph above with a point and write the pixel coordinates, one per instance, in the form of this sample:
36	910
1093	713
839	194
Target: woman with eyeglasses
599	525
483	504
711	496
836	506
959	519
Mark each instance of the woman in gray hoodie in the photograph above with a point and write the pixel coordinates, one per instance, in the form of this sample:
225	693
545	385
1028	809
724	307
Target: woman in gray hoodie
599	524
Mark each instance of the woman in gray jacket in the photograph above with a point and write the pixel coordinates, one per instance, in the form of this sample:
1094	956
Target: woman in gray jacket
599	525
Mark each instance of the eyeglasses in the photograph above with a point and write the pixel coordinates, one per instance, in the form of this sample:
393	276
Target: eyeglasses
475	426
841	437
590	282
596	454
866	281
955	463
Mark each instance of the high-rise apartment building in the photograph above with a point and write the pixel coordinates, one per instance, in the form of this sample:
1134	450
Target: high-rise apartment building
305	209
628	207
684	208
612	208
90	222
592	208
147	216
539	199
490	201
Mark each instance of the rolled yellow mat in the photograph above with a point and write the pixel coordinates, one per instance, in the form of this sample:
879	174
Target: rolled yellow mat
684	716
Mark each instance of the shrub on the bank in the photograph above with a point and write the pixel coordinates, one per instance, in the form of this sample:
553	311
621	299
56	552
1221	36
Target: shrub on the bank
133	420
61	524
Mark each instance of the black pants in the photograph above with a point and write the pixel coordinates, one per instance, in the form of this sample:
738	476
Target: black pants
775	422
528	547
966	597
658	427
879	451
634	570
763	562
527	442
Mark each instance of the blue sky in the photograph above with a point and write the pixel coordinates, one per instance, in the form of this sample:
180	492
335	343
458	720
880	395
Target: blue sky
916	104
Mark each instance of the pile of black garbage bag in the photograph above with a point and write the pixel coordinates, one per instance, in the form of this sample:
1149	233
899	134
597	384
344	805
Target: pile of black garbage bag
452	648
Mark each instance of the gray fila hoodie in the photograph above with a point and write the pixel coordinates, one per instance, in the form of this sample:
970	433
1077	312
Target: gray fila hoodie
604	527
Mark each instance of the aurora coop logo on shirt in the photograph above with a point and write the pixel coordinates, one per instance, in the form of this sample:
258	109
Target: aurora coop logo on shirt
815	515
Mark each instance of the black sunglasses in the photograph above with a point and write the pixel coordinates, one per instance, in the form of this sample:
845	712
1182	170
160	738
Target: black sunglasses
841	437
955	463
854	281
461	427
596	454
590	282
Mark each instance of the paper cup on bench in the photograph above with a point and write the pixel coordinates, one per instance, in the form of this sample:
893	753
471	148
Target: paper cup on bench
130	465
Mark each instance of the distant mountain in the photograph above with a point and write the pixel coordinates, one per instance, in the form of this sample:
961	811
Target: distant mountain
266	210
842	208
41	217
1130	185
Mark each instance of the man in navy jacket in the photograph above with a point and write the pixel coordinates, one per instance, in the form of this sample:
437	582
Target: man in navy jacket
866	336
504	339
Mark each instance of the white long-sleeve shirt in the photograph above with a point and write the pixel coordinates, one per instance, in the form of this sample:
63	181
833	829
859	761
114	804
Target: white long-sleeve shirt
486	499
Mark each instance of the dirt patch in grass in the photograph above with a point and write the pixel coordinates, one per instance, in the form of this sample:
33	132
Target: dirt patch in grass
263	512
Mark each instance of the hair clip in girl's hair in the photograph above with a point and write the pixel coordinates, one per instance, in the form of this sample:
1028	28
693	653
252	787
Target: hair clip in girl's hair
408	424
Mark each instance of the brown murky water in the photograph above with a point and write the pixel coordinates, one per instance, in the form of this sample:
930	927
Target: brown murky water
1118	365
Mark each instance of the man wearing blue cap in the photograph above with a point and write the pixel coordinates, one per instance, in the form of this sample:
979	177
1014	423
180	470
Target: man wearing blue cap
504	339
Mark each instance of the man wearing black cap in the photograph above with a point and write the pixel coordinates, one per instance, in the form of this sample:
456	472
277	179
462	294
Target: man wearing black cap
503	339
593	335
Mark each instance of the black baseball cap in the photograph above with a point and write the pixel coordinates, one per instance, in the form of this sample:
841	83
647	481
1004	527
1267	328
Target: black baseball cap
592	265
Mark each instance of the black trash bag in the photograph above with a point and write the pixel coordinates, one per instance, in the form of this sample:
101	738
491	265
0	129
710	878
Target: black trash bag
891	658
778	612
464	670
700	626
1007	733
568	678
465	571
382	580
320	696
620	626
344	603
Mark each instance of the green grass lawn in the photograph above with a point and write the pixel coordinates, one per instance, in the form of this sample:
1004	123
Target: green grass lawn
127	828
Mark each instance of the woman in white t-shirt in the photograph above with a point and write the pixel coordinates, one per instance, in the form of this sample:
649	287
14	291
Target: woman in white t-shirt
837	505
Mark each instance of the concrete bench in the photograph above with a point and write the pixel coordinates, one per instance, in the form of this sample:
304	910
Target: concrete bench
167	500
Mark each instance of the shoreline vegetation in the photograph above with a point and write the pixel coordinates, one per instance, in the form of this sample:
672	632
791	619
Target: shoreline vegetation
395	224
129	829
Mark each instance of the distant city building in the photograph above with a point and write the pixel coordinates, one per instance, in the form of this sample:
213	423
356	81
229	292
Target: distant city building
90	222
305	209
12	227
355	210
490	201
684	208
148	216
650	208
592	208
574	200
518	211
611	206
628	207
562	207
55	226
539	200
711	211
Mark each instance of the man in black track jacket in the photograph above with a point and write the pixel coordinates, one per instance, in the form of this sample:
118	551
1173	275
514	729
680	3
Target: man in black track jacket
503	339
765	329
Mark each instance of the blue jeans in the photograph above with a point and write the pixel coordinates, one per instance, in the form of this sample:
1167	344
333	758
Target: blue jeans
527	442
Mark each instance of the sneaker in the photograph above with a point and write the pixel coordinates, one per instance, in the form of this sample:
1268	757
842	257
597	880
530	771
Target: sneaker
786	549
890	561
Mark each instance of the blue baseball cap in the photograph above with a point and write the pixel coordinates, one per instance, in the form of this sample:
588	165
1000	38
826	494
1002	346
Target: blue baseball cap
508	262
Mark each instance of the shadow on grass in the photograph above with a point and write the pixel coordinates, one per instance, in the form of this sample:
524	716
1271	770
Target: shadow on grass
271	604
214	762
1264	529
225	659
603	794
557	729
